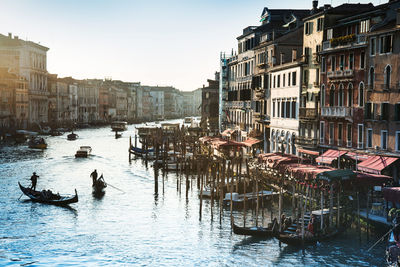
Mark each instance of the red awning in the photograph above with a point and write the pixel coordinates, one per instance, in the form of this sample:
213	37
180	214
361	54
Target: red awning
375	164
357	157
309	152
251	141
330	155
227	132
391	194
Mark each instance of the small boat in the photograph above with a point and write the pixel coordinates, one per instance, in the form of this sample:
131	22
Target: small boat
46	196
37	142
99	185
56	133
83	152
118	135
255	231
72	136
141	152
119	126
296	240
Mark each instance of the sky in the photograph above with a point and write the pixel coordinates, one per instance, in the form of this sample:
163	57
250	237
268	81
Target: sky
167	43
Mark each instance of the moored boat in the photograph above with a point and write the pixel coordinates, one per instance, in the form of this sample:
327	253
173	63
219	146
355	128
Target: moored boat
119	126
37	142
256	231
46	196
83	152
295	239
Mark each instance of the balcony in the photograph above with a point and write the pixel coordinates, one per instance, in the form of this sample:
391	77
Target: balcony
337	112
348	41
306	141
307	113
348	73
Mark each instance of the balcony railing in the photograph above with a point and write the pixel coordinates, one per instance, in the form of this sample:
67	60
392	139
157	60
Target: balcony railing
308	113
306	141
343	42
348	73
338	112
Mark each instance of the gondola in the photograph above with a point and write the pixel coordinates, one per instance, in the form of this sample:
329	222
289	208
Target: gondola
99	186
72	136
255	231
296	240
48	198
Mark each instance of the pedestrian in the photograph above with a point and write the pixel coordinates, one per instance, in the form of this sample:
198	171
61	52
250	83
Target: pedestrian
34	180
94	176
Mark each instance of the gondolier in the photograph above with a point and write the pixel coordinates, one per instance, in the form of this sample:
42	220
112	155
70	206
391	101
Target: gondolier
34	180
94	176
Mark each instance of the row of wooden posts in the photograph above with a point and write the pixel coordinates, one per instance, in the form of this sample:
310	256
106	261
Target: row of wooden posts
228	175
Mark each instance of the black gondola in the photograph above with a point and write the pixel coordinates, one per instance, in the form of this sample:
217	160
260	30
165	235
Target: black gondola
296	240
99	185
255	231
72	136
47	197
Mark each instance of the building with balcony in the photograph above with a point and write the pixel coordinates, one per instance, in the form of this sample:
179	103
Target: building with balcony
317	31
343	76
29	60
382	83
210	106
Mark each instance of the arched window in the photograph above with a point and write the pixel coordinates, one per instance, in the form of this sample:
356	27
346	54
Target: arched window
341	96
361	94
294	144
371	78
350	95
388	72
332	96
288	143
323	95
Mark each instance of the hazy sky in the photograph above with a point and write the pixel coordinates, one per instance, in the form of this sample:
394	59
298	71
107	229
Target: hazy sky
174	42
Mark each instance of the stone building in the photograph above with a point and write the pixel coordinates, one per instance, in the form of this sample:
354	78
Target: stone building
29	60
209	106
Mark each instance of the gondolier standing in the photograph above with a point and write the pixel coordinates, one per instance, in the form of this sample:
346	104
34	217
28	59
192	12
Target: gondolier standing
94	176
34	180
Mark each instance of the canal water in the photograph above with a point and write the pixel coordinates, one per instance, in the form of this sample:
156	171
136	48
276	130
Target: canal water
135	227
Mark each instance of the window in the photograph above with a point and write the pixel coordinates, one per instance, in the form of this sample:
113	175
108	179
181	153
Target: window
351	61
362	60
283	80
288	109
360	138
288	79
384	139
279	81
274	81
397	112
349	134
323	95
350	95
331	132
293	78
305	77
369	138
364	26
341	96
273	109
278	111
372	46
368	111
384	111
293	109
320	24
341	64
322	132
308	28
317	76
340	134
388	71
397	145
385	44
333	63
323	65
283	115
329	34
361	95
332	96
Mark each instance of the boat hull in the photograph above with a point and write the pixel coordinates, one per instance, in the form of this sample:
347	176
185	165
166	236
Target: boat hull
36	196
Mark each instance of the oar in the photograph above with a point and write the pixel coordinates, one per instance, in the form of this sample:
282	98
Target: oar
20	196
380	239
116	188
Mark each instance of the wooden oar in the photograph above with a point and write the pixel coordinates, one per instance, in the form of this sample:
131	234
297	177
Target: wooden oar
380	239
20	196
116	187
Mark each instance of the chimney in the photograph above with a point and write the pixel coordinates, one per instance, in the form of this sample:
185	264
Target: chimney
10	35
327	6
282	57
314	5
294	55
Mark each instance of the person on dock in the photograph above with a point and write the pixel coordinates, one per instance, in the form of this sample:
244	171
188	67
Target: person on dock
94	176
34	178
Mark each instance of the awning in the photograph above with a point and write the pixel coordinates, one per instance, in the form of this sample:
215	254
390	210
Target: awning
228	132
375	164
373	179
357	157
330	155
251	141
391	194
308	152
336	175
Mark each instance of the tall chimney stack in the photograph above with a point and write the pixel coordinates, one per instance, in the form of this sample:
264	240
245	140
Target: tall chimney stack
314	4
